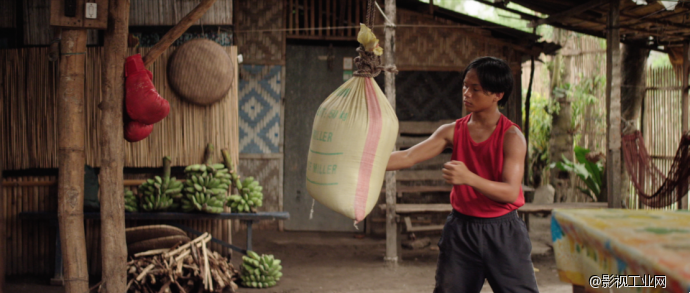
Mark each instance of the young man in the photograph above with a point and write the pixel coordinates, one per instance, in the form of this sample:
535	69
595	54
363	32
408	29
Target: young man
483	238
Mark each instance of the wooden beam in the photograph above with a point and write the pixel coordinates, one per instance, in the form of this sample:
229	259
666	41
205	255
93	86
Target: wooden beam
177	31
568	13
392	241
71	157
682	188
113	242
613	106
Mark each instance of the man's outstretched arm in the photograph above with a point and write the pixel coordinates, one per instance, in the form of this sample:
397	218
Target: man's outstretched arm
427	149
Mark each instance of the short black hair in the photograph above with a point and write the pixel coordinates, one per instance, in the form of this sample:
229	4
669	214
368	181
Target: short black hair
494	75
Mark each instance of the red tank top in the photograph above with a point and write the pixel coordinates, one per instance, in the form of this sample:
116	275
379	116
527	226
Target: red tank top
486	160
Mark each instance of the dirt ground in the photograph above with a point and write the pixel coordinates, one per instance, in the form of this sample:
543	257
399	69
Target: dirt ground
340	262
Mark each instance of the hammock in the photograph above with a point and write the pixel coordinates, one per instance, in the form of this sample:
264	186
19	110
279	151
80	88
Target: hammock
654	189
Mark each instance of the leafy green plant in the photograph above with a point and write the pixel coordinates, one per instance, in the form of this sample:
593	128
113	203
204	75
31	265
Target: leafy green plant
590	173
539	135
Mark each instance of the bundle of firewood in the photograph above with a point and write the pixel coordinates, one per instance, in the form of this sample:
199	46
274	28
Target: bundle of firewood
189	267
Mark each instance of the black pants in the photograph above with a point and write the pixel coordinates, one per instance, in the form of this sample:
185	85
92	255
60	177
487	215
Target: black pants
473	249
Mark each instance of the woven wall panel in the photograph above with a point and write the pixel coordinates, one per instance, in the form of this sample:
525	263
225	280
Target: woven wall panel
427	95
29	118
439	47
260	47
259	108
267	172
170	12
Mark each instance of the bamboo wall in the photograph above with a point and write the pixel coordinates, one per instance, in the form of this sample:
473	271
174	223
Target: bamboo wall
30	248
661	122
261	42
29	117
7	13
170	12
265	44
340	19
37	29
419	48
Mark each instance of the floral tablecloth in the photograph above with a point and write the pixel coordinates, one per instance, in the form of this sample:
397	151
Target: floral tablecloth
627	250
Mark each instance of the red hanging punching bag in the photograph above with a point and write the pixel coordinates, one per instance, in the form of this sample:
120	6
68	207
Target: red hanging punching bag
143	102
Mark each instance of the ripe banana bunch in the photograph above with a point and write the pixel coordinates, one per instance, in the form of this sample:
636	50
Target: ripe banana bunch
260	271
158	194
250	196
131	202
206	188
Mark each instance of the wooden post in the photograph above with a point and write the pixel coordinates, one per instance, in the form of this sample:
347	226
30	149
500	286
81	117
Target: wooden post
527	108
389	56
613	106
682	188
3	237
113	242
71	159
176	31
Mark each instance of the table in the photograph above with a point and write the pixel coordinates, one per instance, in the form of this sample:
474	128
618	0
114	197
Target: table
246	218
640	248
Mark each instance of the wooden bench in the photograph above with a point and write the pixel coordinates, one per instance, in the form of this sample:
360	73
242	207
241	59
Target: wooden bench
523	211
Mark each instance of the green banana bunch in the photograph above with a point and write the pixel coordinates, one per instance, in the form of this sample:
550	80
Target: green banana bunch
206	188
250	196
131	202
260	271
159	193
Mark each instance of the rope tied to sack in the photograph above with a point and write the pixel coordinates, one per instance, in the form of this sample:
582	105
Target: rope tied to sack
368	63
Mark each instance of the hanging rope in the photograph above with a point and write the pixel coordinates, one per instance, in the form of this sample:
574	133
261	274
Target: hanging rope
369	64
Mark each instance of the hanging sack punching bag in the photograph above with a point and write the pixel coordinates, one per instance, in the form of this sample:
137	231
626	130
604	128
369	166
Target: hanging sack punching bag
353	135
143	102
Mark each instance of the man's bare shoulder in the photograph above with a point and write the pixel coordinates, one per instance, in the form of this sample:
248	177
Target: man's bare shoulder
514	137
446	131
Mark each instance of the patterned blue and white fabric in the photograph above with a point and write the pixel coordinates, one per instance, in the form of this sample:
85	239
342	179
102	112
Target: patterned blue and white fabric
259	108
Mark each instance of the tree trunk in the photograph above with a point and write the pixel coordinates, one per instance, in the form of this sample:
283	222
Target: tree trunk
561	141
113	243
71	158
632	93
